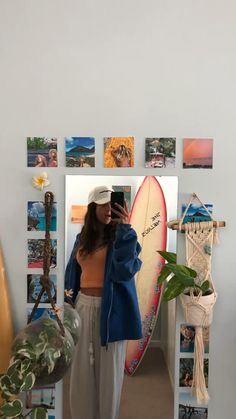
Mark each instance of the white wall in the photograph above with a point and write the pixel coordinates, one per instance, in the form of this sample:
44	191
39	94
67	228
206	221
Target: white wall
128	67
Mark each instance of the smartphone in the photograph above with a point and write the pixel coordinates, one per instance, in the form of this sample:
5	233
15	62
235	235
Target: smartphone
117	197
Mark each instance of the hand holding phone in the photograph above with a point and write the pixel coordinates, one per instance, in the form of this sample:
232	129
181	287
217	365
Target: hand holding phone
119	210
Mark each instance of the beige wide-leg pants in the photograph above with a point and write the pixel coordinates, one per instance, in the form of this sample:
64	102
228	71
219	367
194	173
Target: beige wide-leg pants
97	373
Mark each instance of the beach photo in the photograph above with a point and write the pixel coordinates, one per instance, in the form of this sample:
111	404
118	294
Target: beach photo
119	152
36	216
41	311
34	288
35	253
80	151
196	213
41	152
198	153
160	152
41	397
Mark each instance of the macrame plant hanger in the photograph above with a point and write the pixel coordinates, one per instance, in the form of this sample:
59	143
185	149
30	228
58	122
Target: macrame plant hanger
47	254
198	309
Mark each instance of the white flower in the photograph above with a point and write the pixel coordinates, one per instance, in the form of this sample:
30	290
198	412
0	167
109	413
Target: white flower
40	181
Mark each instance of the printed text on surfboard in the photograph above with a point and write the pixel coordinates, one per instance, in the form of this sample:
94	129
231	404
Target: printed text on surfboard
155	223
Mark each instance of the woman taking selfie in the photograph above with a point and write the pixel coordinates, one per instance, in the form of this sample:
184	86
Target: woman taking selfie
100	274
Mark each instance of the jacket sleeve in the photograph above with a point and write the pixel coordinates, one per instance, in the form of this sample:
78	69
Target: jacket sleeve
72	276
125	261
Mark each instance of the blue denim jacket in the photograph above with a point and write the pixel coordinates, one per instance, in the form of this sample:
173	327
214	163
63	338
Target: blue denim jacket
120	316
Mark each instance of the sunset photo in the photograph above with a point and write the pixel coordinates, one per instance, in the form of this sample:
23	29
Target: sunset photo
198	153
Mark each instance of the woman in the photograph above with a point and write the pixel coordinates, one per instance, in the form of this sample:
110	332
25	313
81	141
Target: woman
40	161
52	155
100	273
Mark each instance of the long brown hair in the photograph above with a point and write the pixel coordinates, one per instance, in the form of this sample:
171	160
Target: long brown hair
91	231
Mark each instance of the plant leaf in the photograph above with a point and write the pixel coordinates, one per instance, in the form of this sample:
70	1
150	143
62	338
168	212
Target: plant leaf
165	272
50	357
188	271
205	286
173	289
14	366
16	378
28	382
178	270
169	256
5	381
39	413
12	409
26	353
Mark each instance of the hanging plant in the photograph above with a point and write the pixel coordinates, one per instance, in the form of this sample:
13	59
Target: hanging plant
42	352
41	355
180	279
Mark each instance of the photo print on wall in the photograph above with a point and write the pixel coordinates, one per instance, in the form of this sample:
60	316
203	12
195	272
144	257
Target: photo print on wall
34	287
196	212
118	152
35	253
41	311
41	152
198	153
36	216
186	372
78	213
160	152
188	411
189	408
187	338
80	151
43	397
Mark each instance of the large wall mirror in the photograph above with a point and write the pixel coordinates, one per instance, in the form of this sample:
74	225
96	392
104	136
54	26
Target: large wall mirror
150	366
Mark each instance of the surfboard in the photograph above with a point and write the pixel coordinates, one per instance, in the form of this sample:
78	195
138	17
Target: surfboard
6	334
148	218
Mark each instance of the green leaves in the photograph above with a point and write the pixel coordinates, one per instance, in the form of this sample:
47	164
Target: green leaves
168	256
39	413
28	382
179	278
163	275
11	409
205	286
173	289
50	357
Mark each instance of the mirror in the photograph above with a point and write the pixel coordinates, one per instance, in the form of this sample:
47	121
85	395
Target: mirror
149	375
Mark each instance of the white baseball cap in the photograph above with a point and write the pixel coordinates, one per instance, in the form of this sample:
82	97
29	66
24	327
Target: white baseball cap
100	195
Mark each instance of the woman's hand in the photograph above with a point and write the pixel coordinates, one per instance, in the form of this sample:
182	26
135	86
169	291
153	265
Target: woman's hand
122	214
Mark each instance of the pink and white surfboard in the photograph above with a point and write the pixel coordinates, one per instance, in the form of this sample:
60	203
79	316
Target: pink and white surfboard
148	218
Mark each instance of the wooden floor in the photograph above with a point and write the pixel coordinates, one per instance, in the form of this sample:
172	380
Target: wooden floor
145	395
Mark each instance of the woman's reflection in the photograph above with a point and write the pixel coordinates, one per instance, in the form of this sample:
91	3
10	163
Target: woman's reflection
100	278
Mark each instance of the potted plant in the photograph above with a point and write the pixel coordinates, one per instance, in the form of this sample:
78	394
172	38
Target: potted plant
41	355
198	299
183	281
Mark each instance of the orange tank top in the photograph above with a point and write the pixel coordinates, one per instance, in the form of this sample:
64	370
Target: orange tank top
92	268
